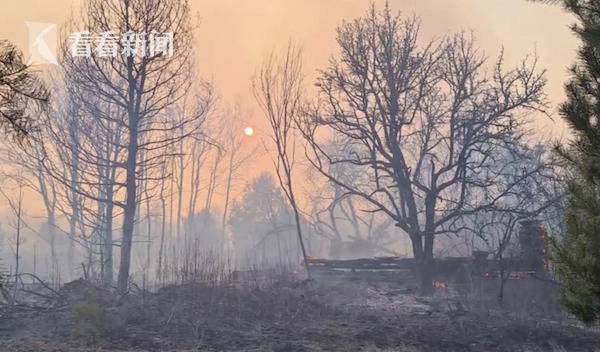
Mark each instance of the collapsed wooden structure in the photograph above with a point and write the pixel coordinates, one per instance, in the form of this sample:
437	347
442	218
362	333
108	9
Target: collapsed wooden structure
391	269
531	261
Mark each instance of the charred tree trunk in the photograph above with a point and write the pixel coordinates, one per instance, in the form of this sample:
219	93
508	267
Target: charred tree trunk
130	184
107	264
128	223
227	245
52	241
74	198
426	264
423	264
163	228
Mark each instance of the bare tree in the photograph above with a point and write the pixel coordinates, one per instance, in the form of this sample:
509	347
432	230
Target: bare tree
236	158
191	152
80	156
141	85
530	199
278	90
27	167
424	125
16	206
199	152
22	94
338	216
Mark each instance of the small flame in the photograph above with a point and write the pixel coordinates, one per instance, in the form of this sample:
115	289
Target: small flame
439	284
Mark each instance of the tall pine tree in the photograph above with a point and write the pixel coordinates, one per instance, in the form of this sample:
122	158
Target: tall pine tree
578	256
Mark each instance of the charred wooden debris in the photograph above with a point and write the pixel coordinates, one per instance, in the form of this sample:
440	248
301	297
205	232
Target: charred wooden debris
530	262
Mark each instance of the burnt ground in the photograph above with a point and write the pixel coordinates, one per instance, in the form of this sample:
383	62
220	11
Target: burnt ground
284	317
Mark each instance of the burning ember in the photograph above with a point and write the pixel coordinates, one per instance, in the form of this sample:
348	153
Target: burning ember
439	284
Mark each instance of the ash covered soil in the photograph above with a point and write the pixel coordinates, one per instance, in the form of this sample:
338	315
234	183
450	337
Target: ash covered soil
283	317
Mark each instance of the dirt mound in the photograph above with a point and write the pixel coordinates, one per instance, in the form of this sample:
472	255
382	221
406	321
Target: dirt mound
83	291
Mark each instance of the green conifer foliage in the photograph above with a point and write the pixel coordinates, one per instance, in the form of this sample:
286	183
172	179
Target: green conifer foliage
578	256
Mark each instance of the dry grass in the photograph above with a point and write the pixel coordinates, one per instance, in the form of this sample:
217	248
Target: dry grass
203	306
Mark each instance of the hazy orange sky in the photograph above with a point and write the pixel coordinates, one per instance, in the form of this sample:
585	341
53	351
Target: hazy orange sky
235	35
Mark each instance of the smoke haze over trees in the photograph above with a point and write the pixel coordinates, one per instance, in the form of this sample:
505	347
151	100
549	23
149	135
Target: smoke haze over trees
408	182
